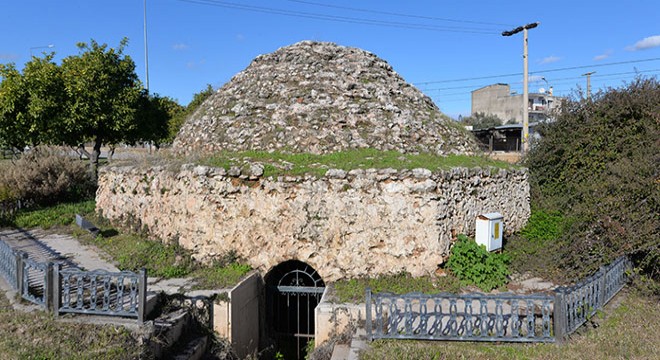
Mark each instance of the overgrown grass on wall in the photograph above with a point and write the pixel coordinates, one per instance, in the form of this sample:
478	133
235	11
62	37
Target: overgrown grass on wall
277	163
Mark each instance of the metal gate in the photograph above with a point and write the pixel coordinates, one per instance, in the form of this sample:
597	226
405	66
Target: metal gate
293	289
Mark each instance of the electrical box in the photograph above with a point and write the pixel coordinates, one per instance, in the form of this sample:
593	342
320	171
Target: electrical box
489	230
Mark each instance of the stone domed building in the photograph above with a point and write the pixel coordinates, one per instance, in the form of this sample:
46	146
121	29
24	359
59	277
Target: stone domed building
320	97
302	231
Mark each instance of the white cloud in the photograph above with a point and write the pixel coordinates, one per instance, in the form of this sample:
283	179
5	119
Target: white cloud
180	46
240	37
646	43
550	59
603	56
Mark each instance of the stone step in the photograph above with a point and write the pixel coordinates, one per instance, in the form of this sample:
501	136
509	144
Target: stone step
195	349
153	300
340	352
168	331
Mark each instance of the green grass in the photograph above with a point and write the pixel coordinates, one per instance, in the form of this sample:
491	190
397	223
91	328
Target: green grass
57	215
625	333
36	335
353	290
278	163
132	251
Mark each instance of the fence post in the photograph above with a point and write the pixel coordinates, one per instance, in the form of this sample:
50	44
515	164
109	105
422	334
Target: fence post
48	286
368	313
142	296
56	296
19	271
24	286
559	316
603	288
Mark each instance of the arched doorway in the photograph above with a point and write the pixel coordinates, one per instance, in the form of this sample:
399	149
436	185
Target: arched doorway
293	289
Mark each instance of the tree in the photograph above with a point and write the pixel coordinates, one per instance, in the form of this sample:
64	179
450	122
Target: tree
13	107
598	166
178	120
153	119
42	79
482	120
103	93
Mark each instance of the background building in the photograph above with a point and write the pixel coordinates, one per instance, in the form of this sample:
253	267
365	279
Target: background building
498	100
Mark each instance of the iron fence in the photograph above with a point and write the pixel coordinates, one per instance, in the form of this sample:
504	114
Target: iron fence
71	290
35	280
9	264
493	317
576	304
472	317
100	292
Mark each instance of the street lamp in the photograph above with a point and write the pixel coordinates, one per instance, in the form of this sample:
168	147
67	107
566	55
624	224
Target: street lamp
50	46
525	134
588	75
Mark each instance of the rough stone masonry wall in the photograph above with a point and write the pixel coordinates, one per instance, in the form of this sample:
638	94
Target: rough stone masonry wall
344	224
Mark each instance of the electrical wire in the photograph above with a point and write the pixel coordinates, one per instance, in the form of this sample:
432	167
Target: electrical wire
343	19
396	14
537	72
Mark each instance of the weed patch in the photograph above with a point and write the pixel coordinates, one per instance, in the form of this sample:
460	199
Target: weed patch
278	163
474	265
353	290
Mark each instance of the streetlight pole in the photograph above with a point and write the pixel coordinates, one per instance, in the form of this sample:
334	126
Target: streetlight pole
525	134
146	52
49	46
588	75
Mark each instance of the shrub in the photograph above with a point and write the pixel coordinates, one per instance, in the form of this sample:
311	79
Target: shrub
474	265
598	165
45	176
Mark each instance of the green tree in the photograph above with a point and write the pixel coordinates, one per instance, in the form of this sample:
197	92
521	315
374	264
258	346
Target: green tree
42	79
598	166
154	117
103	91
13	107
482	120
31	103
177	121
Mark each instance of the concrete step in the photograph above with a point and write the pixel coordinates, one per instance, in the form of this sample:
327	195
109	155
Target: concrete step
340	352
168	330
195	349
153	300
358	343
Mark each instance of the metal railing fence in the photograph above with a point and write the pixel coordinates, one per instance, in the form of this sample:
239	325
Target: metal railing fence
99	292
71	290
472	317
493	317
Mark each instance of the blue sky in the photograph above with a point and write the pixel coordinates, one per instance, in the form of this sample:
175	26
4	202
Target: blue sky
446	48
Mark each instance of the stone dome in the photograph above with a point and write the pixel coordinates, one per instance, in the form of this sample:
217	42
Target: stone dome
320	97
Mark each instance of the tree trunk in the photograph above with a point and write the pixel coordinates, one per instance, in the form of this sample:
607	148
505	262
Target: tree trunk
82	152
94	159
111	152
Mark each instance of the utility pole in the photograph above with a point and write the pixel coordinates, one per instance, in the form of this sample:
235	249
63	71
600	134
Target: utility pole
588	75
146	52
525	134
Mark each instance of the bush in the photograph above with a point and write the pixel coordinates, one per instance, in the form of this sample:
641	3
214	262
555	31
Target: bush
474	265
598	165
46	176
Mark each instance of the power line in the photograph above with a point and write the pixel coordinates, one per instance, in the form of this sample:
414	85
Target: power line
537	72
397	14
554	81
343	19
